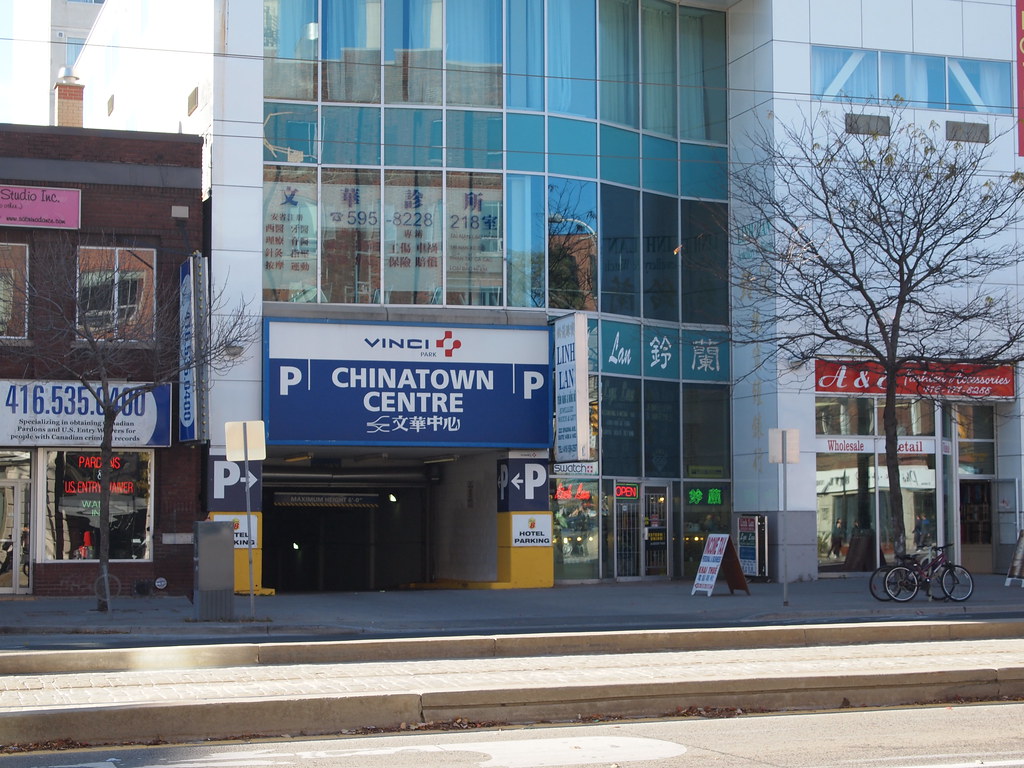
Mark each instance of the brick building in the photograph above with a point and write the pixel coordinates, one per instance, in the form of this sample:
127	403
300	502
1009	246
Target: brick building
94	228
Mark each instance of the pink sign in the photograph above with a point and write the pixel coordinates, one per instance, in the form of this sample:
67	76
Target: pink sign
49	207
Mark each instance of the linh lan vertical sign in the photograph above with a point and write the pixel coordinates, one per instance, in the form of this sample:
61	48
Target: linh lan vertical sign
572	406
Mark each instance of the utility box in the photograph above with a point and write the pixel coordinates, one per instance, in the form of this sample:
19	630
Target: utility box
214	598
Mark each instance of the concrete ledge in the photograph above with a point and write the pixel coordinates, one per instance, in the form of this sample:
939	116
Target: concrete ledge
210	720
500	646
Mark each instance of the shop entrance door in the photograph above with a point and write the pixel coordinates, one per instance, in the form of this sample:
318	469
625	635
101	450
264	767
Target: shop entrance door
641	531
976	525
15	562
656	531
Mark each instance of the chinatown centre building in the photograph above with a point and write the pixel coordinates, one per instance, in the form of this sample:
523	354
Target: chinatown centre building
487	244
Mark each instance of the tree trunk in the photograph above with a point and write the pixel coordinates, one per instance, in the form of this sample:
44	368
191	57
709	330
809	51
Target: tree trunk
106	460
892	465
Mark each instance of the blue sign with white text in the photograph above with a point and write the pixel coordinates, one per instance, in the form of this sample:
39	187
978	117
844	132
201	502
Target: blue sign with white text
350	384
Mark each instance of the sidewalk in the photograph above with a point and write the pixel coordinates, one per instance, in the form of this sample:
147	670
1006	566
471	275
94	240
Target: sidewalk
491	658
591	607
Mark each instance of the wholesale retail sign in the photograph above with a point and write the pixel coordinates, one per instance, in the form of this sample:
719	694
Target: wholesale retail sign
953	380
336	383
40	207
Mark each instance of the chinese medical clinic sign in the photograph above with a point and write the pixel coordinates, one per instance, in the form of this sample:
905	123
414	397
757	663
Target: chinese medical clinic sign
955	380
334	383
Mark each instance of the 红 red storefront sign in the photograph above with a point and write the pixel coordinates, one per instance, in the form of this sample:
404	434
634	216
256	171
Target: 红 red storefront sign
856	377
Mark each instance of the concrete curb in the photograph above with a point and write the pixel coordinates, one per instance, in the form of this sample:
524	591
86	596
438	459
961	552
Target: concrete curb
317	715
497	646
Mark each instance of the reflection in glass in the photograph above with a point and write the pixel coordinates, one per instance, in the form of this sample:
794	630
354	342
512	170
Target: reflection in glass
289	133
980	86
525	240
474	139
290	49
708	509
474	221
571	58
838	415
703	95
846	511
660	260
619	254
413	137
412	51
658	56
841	74
913	417
351	50
350	237
920	81
289	234
525	53
704	253
661	428
572	244
620	75
73	506
473	53
975	422
621	450
706	419
13	289
577	529
413	233
351	136
115	293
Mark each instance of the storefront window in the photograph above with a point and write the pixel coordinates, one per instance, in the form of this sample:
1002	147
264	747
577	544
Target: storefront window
708	509
13	289
289	234
474	220
620	250
976	429
913	417
844	416
660	261
621	451
413	232
73	505
846	511
577	529
661	428
706	446
351	236
704	253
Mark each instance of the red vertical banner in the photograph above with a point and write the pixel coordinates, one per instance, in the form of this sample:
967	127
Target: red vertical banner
1019	37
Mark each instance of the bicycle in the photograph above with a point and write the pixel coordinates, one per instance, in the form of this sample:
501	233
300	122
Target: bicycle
903	582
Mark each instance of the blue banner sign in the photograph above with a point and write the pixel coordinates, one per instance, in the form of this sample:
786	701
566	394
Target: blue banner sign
334	383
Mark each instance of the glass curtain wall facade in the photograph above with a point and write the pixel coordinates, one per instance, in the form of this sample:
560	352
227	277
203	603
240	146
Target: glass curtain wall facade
567	155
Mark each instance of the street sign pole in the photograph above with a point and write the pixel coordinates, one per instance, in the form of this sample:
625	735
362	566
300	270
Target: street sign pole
784	448
245	440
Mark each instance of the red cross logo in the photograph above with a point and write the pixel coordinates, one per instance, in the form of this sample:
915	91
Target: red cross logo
448	343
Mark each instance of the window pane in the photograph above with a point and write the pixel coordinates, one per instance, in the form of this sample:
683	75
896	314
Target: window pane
571	57
412	137
351	50
846	511
661	429
620	75
525	142
413	231
474	139
660	165
704	253
619	254
73	506
525	240
975	422
572	244
913	417
115	292
412	51
844	416
661	261
351	136
13	289
703	96
289	133
920	81
658	63
620	427
289	234
474	256
525	54
838	74
980	86
620	156
703	171
350	264
572	147
473	54
706	430
290	49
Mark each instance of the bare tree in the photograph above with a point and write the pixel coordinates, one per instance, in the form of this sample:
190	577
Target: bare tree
885	247
107	316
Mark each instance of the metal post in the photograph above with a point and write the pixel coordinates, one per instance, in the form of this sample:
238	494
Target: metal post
782	524
248	520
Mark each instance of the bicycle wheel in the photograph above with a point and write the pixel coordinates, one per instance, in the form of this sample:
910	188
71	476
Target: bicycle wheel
877	583
901	584
957	583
